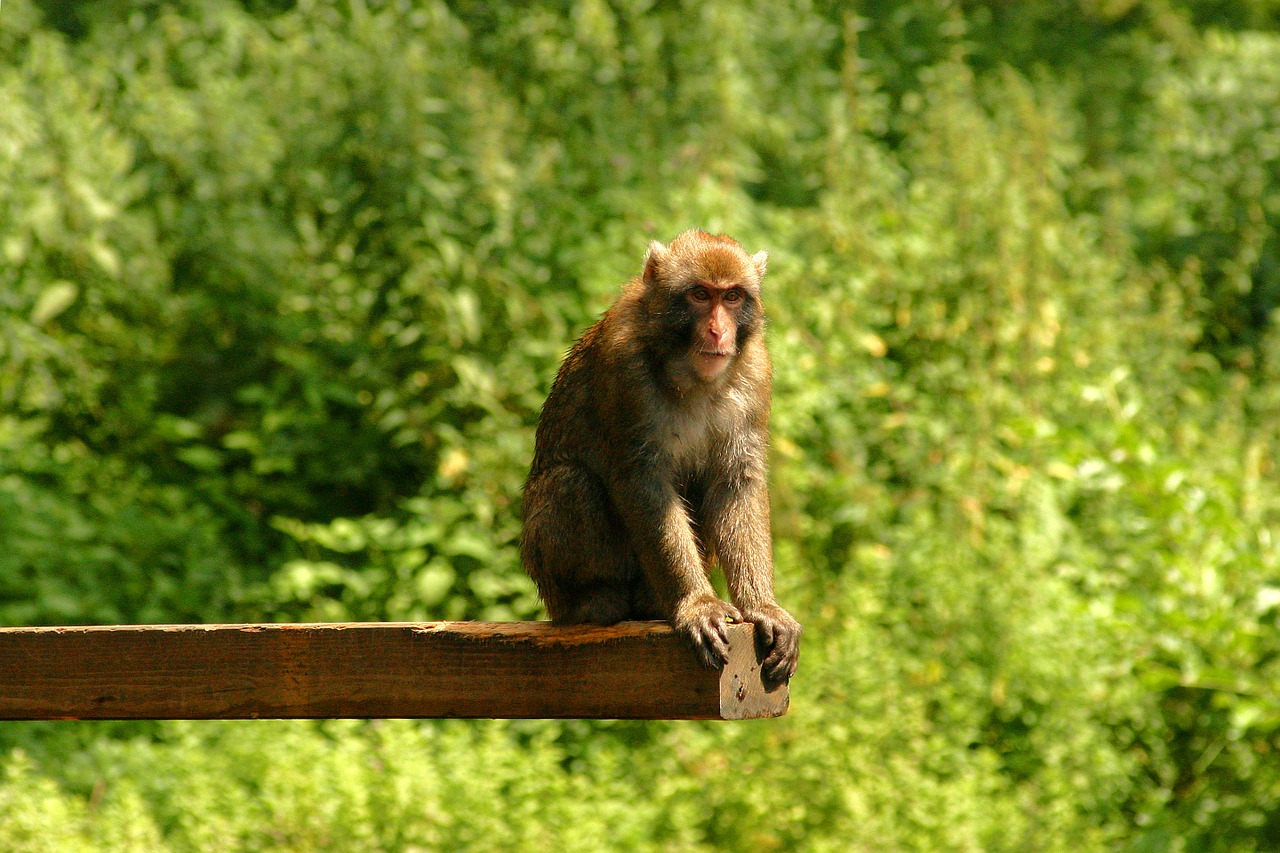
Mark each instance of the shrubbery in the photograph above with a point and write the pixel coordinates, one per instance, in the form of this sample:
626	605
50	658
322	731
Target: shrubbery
282	288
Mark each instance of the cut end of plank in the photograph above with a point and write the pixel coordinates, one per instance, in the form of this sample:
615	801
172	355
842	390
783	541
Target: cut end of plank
743	692
511	670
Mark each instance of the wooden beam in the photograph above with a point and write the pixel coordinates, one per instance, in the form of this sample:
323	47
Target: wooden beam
635	670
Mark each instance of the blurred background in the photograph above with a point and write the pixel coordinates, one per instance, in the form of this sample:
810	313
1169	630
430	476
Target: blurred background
283	286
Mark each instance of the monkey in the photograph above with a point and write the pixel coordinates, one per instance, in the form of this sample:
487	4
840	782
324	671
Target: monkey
649	462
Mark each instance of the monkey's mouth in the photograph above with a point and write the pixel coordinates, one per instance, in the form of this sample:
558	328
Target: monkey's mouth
710	363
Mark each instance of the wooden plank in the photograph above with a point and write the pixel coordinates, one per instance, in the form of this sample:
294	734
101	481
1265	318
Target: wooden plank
635	670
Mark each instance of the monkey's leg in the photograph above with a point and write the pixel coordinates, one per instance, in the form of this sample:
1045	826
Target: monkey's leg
644	601
576	549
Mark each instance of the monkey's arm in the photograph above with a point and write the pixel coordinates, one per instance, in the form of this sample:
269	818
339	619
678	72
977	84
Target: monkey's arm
736	512
660	529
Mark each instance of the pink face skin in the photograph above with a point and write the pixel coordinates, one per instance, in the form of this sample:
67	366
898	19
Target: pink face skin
715	337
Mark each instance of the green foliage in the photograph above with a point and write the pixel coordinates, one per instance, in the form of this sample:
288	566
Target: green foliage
284	285
1215	153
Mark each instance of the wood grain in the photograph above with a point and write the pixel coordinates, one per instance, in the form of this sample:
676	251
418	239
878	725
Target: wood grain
635	670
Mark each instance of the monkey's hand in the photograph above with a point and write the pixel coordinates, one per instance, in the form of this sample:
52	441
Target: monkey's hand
705	620
777	639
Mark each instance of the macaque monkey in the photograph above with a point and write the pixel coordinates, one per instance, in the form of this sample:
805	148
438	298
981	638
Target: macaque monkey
650	459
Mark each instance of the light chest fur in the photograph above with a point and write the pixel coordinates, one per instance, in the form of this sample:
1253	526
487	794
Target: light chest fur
692	430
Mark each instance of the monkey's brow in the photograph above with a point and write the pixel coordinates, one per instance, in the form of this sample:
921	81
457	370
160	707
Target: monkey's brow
714	285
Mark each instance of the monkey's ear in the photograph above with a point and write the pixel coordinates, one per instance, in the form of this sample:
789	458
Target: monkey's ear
653	262
761	260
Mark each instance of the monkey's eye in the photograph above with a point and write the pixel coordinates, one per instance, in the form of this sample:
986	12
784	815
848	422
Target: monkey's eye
700	294
733	296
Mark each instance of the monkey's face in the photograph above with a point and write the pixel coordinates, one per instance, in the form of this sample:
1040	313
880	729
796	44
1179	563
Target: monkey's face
717	313
703	295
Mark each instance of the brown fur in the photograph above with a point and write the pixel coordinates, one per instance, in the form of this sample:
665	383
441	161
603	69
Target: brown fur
650	458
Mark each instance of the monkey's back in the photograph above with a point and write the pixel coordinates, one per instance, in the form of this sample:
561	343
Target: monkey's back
584	420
